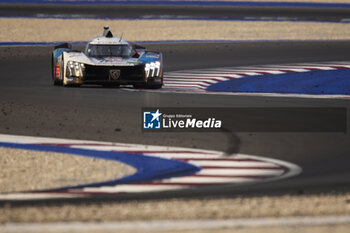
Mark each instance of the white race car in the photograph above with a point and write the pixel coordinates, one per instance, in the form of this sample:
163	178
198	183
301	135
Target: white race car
107	60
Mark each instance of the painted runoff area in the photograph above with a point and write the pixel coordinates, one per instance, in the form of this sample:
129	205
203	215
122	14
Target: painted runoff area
329	79
332	82
159	168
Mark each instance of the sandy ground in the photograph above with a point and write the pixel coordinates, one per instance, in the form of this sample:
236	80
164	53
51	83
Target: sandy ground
285	229
38	30
220	208
25	170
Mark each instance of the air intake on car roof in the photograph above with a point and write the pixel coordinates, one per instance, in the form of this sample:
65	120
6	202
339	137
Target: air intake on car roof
107	32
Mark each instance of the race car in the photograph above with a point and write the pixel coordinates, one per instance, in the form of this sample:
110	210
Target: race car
107	60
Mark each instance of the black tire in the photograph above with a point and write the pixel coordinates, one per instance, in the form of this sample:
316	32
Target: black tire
139	86
110	85
148	85
154	86
73	85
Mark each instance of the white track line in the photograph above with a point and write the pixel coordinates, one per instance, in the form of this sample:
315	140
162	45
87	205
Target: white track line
188	82
228	163
214	80
136	188
305	67
254	71
171	225
183	85
186	76
197	75
231	172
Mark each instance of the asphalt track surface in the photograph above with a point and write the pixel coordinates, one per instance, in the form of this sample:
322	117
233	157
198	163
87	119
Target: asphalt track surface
177	12
31	105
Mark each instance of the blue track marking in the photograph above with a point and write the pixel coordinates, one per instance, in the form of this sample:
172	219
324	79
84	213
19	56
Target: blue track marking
335	82
148	168
16	44
175	18
9	44
169	2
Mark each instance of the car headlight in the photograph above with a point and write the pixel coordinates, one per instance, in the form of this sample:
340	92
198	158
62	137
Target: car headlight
75	69
152	69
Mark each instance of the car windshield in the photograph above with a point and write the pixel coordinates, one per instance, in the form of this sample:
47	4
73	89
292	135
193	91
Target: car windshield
109	51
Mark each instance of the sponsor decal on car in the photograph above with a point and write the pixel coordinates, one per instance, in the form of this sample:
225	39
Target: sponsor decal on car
111	59
153	55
